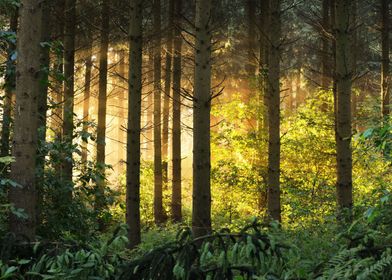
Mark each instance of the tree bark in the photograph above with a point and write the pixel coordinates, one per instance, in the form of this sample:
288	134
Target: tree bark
251	9
102	95
9	92
385	45
159	214
354	57
68	109
325	79
274	210
26	118
46	31
86	94
262	118
134	125
343	80
58	67
150	105
166	100
121	110
201	214
102	106
176	139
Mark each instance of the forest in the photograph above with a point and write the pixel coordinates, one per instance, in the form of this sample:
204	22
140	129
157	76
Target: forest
195	139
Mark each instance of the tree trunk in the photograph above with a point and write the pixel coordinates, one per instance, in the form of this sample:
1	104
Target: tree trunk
343	79
150	105
9	92
262	118
166	100
134	125
251	9
43	103
354	57
87	91
102	102
58	67
69	64
325	79
26	118
159	215
274	210
102	97
121	110
385	26
201	214
176	139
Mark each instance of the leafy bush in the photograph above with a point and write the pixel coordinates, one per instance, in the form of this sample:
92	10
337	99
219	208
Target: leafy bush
248	254
93	260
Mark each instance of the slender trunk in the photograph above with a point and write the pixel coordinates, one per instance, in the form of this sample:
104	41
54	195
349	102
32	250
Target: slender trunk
176	139
343	79
69	64
354	57
121	111
102	102
333	72
43	103
87	91
262	118
201	214
385	26
9	92
102	95
274	210
57	83
26	118
159	215
325	79
251	42
166	100
150	104
44	83
134	125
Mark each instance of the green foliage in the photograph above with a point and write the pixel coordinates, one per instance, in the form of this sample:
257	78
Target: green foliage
5	184
76	217
97	260
380	138
248	254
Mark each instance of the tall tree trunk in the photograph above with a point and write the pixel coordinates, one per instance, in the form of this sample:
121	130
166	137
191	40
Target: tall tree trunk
274	210
262	118
43	102
251	9
176	139
150	104
121	110
385	26
86	94
354	57
68	109
159	215
26	118
325	79
201	214
57	83
343	79
102	95
166	100
134	125
44	83
102	102
9	92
